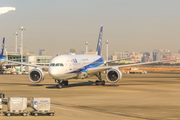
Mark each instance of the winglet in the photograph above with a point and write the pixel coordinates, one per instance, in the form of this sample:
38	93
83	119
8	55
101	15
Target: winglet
99	44
2	49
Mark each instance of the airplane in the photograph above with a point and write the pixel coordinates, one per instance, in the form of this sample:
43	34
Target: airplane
66	67
4	10
1	53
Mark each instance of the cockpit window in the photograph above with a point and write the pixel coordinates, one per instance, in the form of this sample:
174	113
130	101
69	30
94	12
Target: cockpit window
56	64
52	64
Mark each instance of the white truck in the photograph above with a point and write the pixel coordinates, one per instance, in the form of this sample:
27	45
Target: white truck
136	71
1	99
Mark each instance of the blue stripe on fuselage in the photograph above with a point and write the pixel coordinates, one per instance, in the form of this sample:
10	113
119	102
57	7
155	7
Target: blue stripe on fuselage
96	63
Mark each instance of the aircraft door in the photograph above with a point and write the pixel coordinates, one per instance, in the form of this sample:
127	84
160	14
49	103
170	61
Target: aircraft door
70	65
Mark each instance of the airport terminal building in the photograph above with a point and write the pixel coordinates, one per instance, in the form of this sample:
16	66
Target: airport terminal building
31	59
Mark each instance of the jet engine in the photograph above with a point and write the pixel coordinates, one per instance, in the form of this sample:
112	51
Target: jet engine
36	75
113	75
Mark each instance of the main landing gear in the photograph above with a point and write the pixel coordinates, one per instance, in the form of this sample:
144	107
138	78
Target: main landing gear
100	81
61	83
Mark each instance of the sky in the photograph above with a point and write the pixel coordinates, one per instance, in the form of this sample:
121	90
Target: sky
59	25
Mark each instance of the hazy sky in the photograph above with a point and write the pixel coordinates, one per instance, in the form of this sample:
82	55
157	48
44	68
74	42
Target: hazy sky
58	25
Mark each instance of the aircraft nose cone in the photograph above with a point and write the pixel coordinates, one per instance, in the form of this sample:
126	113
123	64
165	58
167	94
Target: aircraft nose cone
53	72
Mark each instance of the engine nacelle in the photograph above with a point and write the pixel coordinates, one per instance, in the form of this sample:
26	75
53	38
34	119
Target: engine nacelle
36	75
113	75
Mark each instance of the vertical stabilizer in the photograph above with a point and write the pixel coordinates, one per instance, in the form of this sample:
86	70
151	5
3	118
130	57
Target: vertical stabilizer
99	44
2	49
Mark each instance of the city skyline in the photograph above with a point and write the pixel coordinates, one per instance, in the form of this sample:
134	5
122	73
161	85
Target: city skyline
43	52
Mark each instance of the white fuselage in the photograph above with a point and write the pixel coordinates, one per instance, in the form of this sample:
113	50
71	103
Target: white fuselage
71	66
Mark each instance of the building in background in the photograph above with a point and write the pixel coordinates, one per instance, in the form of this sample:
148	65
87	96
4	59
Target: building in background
41	51
162	55
157	55
38	60
136	57
31	59
147	57
132	57
91	51
13	56
72	50
120	55
30	53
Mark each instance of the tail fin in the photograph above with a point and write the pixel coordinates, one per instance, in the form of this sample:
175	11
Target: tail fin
2	49
99	44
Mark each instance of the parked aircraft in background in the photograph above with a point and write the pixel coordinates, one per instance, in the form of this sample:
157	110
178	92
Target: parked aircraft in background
1	53
4	10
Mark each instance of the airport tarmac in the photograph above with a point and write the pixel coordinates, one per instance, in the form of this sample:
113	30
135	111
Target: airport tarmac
152	96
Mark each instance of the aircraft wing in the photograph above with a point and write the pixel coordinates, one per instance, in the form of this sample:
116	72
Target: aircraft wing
27	64
1	62
99	69
115	60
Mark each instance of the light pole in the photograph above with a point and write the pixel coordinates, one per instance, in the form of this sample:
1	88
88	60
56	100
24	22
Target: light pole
86	47
16	41
107	42
22	29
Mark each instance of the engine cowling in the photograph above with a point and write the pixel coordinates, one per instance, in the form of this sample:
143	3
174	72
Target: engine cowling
36	75
113	75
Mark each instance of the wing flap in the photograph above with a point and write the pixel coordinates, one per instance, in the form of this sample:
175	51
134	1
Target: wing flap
115	60
100	69
144	63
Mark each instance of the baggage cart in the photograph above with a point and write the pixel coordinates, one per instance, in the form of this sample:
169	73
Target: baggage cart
41	106
16	106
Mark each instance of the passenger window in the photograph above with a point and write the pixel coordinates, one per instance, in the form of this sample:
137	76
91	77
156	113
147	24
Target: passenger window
57	64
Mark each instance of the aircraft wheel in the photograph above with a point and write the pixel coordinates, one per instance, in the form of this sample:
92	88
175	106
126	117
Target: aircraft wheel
103	83
66	83
9	114
51	114
59	86
24	114
97	82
